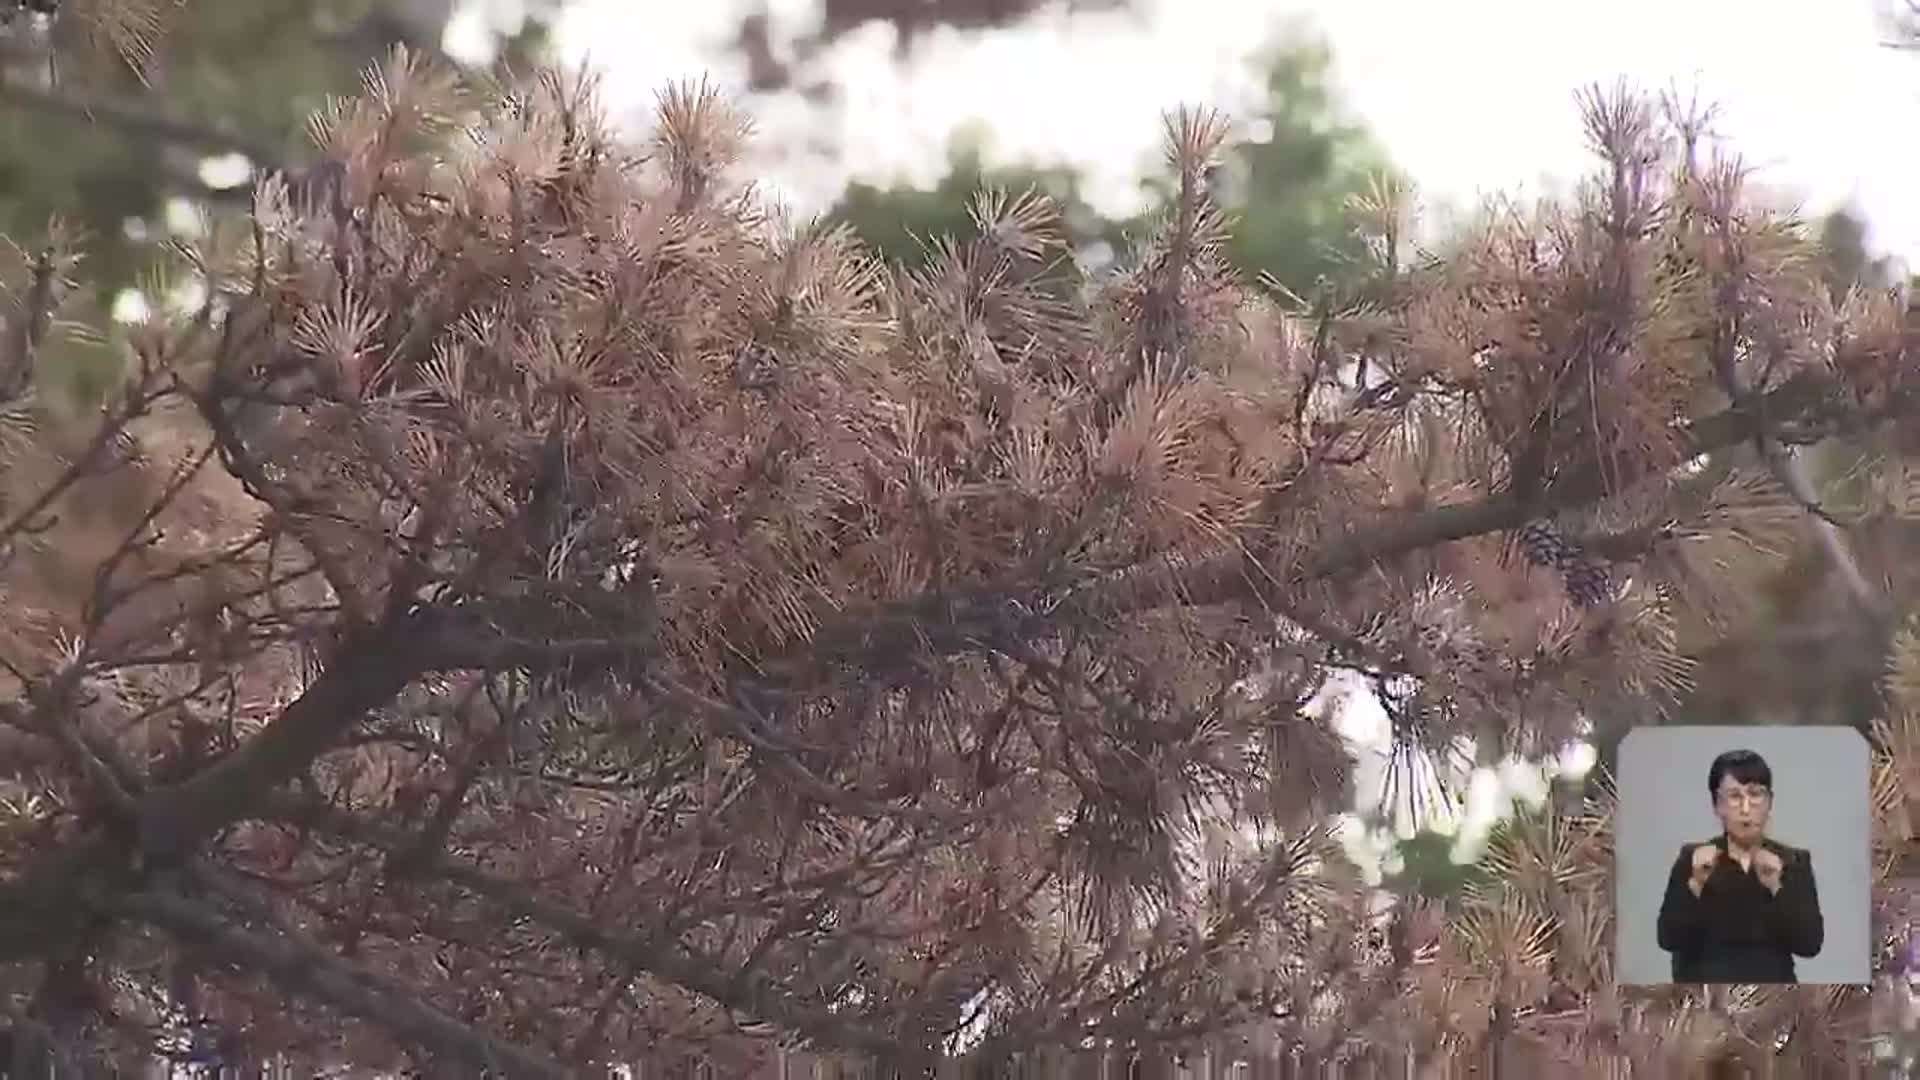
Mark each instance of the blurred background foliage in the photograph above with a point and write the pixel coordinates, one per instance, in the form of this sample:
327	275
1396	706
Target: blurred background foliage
1288	181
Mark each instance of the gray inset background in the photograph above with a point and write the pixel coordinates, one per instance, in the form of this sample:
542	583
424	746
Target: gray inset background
1820	802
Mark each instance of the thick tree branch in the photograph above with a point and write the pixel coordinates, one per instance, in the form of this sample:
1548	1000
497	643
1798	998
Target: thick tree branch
365	673
1810	399
956	619
303	968
168	823
520	632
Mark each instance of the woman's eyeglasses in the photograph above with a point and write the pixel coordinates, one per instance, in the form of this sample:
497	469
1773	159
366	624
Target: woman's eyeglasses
1746	798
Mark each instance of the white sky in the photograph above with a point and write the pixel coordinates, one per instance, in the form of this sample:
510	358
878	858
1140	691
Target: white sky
1471	96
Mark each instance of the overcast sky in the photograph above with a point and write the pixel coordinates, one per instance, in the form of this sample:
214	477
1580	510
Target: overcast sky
1470	96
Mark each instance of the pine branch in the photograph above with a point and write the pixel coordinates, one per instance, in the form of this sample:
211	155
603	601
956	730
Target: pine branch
949	622
305	968
1805	399
1791	470
745	991
32	322
1783	461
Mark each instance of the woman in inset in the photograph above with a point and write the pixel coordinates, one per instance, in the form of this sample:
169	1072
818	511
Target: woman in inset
1741	906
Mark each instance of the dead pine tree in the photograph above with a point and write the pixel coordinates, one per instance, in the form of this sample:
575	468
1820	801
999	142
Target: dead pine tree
550	611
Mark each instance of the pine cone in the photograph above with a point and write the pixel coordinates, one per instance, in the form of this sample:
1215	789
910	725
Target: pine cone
1589	582
1544	545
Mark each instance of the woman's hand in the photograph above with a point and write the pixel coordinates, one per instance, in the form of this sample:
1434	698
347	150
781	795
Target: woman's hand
1705	858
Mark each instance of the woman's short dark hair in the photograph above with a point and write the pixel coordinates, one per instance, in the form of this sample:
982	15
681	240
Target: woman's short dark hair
1744	766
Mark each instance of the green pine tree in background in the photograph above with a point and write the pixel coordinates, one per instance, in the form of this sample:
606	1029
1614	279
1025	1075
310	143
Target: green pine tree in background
898	222
1294	183
1288	184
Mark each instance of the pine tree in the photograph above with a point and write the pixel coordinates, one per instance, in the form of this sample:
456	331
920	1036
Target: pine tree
547	609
